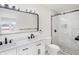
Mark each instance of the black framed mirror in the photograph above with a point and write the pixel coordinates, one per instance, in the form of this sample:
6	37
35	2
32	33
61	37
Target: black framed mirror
15	21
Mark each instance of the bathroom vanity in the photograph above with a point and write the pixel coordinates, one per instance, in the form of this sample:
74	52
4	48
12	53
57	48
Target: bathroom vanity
21	45
19	32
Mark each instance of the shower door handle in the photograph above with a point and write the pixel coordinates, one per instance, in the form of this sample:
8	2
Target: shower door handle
55	30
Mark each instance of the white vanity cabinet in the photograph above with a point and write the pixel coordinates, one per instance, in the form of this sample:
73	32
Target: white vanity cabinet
37	48
9	52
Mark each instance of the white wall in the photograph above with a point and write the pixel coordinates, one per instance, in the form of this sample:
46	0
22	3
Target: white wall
62	7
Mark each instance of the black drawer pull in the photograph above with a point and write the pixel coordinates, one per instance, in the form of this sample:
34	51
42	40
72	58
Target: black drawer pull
25	49
38	44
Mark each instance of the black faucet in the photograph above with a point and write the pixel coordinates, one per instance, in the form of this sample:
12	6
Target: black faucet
5	40
0	43
31	36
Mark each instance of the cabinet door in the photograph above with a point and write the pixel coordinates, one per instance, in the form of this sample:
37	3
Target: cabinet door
24	50
9	52
38	48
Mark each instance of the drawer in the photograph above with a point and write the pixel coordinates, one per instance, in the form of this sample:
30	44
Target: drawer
9	52
24	50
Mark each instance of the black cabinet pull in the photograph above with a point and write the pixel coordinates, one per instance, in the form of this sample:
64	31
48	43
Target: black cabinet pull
25	49
39	51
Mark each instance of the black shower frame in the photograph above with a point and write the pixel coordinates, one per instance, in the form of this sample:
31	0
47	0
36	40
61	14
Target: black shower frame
58	15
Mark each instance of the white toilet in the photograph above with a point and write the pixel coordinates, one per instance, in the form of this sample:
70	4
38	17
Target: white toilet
53	49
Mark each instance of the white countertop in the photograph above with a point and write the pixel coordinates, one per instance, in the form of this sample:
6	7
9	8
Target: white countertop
6	47
20	42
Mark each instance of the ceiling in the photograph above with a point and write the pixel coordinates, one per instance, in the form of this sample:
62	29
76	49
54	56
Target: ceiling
62	7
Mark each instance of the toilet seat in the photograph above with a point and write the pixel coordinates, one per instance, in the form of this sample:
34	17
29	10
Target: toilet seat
53	46
53	49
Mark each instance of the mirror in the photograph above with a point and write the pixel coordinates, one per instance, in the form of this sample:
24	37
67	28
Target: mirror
12	21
